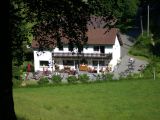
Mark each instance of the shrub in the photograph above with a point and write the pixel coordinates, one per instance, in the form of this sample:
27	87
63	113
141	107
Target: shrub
142	46
16	72
43	81
16	83
84	78
56	79
106	76
109	76
98	77
72	79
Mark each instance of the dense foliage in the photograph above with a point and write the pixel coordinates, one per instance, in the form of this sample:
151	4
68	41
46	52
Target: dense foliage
56	79
72	79
59	19
19	30
120	11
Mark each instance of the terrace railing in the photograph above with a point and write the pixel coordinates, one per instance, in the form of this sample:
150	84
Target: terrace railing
86	55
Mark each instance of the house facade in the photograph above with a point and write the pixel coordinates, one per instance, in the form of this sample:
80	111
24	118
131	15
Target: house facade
103	51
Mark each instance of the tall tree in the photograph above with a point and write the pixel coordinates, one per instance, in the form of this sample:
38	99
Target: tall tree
6	96
57	20
122	11
20	33
154	24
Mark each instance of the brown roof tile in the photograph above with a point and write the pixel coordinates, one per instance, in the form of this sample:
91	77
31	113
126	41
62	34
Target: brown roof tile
96	33
102	36
98	36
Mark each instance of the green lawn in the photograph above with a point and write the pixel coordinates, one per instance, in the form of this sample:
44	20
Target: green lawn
116	100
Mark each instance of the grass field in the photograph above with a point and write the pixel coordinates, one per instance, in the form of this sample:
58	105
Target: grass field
114	100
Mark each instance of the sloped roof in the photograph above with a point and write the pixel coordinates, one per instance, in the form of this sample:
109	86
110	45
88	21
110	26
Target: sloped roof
102	36
97	35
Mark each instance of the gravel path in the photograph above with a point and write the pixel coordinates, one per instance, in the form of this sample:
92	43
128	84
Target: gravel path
127	44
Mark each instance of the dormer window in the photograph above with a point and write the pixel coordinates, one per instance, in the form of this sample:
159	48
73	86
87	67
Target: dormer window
96	48
61	48
100	49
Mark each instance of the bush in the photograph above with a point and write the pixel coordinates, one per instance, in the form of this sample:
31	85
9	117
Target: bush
43	81
72	79
107	76
142	46
16	73
154	65
56	79
16	83
84	78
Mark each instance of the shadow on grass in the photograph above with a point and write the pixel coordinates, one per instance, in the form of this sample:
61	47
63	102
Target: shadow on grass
21	118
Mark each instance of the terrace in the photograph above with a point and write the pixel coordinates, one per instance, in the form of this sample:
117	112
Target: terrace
86	55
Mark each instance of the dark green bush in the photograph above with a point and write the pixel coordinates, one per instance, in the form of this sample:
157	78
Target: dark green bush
106	76
56	79
109	76
43	81
142	46
84	78
72	79
98	77
16	83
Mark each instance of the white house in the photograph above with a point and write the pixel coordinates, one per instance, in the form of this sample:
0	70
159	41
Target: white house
103	51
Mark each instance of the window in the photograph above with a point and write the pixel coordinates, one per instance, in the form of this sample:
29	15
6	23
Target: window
99	48
44	63
84	61
68	62
61	48
96	48
102	49
95	63
101	63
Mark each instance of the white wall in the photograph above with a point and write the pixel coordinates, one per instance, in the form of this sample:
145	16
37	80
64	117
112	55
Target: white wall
43	56
108	48
65	49
89	49
47	55
116	53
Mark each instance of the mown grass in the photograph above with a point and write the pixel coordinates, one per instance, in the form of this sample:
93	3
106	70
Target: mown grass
113	100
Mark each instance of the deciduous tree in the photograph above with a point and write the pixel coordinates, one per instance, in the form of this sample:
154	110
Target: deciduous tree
121	10
57	20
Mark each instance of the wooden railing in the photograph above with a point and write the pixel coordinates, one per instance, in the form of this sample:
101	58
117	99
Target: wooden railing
86	55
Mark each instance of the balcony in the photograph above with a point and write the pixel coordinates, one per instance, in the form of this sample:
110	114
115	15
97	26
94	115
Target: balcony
85	55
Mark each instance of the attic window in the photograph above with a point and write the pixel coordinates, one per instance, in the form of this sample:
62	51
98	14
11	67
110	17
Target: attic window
61	48
96	48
